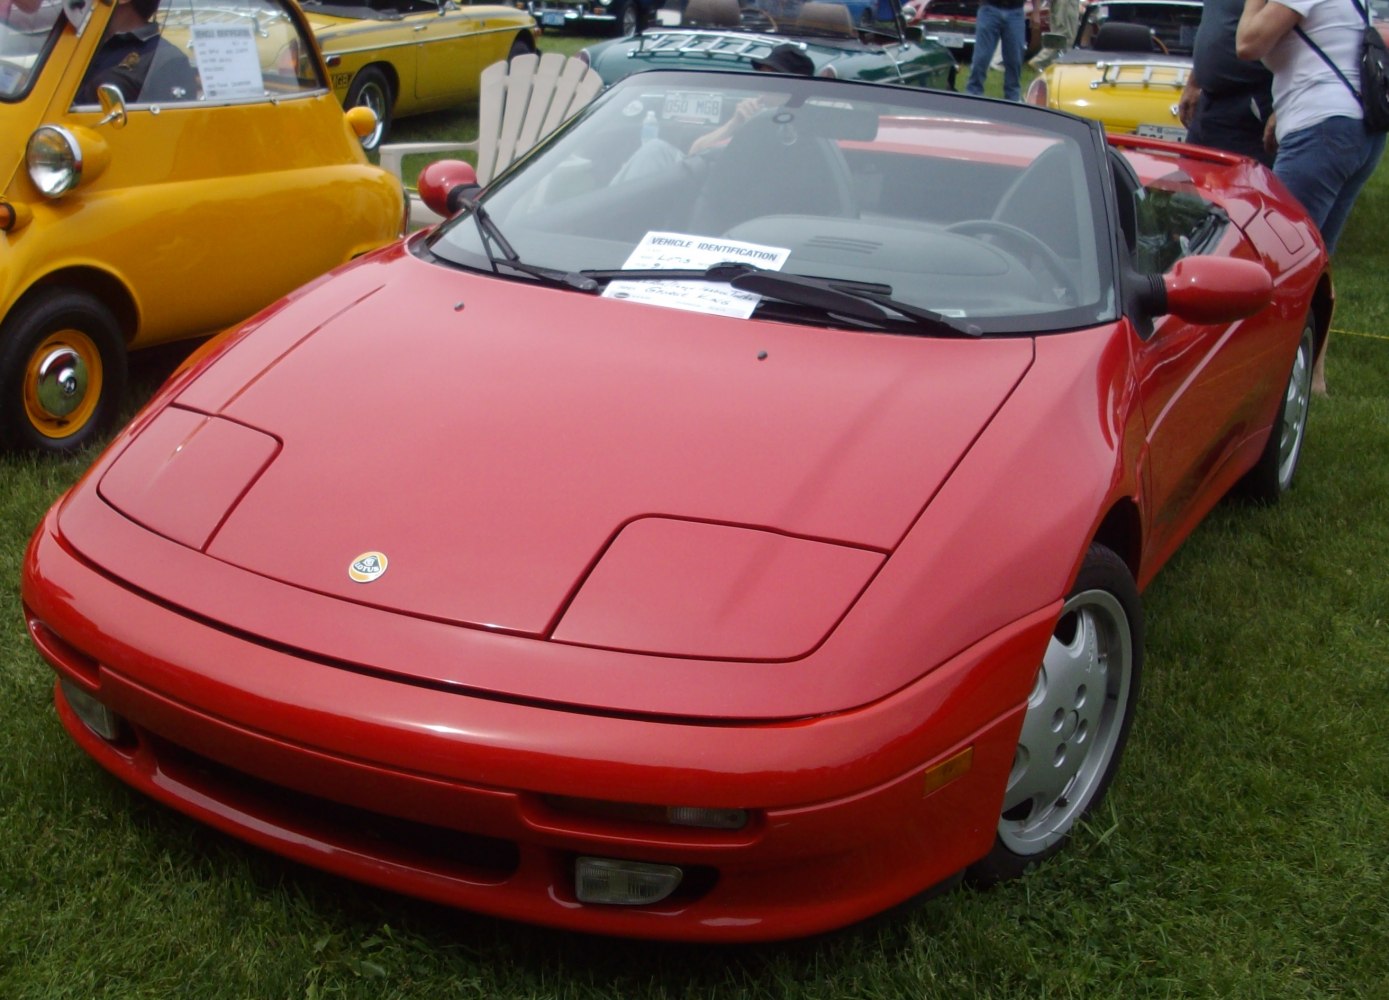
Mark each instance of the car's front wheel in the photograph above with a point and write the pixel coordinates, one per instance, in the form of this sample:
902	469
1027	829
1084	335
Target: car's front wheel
371	89
62	372
1076	722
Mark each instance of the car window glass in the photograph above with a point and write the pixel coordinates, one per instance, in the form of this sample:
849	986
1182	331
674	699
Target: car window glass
27	30
963	207
189	51
1172	221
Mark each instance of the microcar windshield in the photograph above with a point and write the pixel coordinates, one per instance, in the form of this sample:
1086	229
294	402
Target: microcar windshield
984	213
27	28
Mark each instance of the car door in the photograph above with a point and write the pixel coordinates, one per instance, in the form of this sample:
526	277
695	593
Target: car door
454	46
1203	386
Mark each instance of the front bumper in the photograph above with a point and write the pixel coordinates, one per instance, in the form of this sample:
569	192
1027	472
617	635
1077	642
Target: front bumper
447	796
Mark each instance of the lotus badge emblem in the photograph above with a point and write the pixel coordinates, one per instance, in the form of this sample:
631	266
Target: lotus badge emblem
368	567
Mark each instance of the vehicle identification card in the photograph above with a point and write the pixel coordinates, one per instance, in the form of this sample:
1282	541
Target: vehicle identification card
680	251
228	63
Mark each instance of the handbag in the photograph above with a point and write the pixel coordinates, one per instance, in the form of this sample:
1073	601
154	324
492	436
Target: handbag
1373	94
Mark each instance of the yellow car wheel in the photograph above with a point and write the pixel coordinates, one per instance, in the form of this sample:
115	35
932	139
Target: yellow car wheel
62	372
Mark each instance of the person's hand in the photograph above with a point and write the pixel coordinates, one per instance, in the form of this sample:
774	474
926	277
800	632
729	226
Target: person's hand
1186	104
1270	138
747	108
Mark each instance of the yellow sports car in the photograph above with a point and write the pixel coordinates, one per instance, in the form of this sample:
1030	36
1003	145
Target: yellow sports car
405	57
168	168
1127	68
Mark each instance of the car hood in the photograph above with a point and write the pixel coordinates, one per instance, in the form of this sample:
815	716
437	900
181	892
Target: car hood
532	461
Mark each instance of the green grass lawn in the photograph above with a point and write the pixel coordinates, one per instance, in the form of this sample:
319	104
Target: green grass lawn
1241	853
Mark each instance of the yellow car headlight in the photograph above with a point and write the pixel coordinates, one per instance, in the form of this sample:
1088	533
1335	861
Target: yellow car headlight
59	159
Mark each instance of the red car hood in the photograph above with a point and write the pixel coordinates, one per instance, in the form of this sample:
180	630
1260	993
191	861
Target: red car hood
504	446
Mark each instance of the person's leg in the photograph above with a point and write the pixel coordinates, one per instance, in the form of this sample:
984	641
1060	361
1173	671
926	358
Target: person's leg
1324	166
1014	33
987	26
1372	148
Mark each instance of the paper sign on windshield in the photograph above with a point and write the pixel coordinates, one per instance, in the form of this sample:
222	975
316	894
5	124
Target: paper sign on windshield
228	62
679	251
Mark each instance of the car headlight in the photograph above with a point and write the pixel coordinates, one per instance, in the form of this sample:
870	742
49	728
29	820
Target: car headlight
59	159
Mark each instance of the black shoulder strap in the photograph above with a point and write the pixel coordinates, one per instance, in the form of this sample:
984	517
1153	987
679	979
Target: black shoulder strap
1365	13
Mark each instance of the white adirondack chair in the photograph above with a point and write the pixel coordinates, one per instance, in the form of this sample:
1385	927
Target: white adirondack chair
521	103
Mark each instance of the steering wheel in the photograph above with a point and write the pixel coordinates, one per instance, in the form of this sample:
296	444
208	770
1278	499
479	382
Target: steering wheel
1024	240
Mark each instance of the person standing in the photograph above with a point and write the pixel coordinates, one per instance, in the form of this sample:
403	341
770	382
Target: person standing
1065	23
1227	101
1325	155
998	21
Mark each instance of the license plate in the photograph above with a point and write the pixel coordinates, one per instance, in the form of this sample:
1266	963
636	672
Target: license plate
552	18
693	106
1172	133
950	39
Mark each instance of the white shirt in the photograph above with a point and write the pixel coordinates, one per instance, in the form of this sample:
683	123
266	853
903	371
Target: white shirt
1305	90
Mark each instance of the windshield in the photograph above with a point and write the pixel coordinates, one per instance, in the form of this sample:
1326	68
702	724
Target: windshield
26	28
979	211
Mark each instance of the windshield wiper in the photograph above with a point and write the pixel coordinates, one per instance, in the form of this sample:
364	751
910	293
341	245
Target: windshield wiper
823	293
489	232
870	303
851	299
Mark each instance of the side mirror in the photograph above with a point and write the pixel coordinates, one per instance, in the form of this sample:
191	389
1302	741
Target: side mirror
112	105
1216	289
444	183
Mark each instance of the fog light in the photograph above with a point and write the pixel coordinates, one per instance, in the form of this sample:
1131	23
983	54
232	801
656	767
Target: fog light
624	883
94	715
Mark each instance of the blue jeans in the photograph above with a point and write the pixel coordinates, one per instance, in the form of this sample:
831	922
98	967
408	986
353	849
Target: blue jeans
1325	165
994	23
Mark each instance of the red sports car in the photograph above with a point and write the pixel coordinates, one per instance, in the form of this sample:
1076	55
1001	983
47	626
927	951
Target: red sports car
728	525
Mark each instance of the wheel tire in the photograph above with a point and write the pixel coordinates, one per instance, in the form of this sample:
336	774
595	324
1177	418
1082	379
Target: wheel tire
371	89
1077	720
1272	475
627	19
62	372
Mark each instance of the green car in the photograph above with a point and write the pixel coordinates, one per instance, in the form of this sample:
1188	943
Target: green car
864	40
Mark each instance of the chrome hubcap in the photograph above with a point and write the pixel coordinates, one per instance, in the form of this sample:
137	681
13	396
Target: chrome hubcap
1295	406
1072	725
61	382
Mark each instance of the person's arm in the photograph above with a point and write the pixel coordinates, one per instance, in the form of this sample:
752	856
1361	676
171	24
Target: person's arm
1262	26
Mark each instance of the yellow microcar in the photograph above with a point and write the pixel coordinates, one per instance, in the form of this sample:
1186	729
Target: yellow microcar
405	57
168	168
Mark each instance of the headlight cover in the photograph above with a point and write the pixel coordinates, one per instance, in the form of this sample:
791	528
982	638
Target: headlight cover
55	161
59	158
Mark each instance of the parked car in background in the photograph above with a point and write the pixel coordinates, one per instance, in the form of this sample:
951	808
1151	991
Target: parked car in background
620	17
413	56
845	40
951	23
768	546
130	218
1127	68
